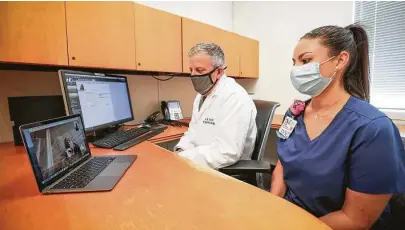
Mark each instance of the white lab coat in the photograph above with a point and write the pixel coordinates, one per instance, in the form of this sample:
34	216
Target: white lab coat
224	130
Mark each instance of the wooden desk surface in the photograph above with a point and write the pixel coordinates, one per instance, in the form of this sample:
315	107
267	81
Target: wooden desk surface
159	191
171	133
402	130
277	121
174	133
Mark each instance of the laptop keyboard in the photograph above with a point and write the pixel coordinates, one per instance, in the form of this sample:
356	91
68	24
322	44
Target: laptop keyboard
82	176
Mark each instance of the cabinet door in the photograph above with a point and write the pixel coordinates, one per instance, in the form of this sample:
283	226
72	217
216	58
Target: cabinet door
196	32
229	43
101	34
249	57
33	32
157	40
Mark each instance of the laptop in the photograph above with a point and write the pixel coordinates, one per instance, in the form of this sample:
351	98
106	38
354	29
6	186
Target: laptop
61	159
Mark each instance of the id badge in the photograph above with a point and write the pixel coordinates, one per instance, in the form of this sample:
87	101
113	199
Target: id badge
286	128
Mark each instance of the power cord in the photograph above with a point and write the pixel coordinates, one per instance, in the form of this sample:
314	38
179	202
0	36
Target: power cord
171	76
169	122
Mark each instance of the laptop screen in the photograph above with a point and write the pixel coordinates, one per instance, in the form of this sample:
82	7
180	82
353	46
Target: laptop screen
54	147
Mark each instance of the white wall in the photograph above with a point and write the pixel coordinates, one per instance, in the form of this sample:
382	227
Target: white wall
216	13
278	26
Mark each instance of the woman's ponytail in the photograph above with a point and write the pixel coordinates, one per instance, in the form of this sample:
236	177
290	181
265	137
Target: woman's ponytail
356	79
353	39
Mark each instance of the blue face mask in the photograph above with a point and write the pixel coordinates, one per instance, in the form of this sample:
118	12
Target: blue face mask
307	78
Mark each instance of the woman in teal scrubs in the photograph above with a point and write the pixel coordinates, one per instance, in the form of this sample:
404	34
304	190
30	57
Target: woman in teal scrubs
344	158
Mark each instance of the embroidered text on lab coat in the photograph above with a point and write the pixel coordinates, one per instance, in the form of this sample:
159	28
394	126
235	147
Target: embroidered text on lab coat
209	121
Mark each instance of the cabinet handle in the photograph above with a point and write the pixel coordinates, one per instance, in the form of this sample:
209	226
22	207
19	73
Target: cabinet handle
73	58
139	63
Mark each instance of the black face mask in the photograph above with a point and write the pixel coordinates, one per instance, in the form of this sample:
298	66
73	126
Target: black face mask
203	83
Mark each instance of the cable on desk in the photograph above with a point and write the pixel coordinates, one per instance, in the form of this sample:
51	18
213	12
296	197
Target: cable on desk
171	76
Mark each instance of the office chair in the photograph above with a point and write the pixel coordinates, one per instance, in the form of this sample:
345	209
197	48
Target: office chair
397	205
251	171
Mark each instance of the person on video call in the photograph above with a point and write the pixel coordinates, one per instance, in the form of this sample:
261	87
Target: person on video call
76	126
222	129
344	159
72	148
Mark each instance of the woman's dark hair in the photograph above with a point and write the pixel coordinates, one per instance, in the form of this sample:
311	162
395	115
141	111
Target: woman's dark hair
352	39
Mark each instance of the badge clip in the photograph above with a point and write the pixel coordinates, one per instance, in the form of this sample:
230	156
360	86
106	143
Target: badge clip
289	123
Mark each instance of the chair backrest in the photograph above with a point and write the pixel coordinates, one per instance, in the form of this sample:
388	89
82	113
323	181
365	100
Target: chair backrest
265	114
397	205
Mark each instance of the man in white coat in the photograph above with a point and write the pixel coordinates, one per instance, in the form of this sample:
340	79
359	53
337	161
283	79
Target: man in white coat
223	128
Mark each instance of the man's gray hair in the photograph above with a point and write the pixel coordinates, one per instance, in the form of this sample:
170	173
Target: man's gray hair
211	49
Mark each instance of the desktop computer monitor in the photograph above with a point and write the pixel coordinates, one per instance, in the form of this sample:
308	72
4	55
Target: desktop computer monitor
102	100
29	109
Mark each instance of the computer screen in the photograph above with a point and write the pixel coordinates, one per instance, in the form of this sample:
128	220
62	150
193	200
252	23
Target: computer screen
55	147
101	100
29	109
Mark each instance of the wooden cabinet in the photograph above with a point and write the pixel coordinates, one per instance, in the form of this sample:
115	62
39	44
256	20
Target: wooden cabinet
249	57
33	32
101	34
229	43
193	33
114	35
241	53
157	40
196	32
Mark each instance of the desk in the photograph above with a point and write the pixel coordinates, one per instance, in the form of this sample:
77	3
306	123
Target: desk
277	121
174	133
170	134
159	191
402	130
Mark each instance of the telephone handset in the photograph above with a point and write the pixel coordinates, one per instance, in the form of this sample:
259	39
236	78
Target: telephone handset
152	118
171	111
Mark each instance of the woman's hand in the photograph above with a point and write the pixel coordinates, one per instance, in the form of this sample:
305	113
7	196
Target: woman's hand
278	186
359	211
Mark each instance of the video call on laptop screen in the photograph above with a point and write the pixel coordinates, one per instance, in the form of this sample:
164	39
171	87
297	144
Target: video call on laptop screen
56	147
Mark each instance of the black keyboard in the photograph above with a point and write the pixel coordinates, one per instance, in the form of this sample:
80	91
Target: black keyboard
82	176
138	140
120	137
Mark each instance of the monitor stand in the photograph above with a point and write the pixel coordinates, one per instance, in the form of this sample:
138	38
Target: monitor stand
101	133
